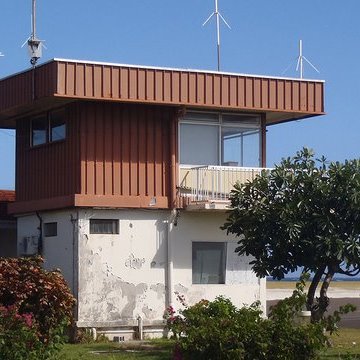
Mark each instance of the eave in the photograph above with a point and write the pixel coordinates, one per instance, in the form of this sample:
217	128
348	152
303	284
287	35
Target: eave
61	81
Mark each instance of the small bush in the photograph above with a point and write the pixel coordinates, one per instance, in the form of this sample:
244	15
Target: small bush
36	307
218	330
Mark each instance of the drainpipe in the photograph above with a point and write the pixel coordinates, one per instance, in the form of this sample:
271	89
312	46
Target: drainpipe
171	222
40	241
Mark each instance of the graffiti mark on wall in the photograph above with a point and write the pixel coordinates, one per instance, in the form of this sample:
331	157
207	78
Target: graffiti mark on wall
134	263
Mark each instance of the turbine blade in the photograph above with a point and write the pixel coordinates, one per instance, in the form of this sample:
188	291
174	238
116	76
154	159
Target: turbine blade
311	64
208	19
25	42
288	67
298	63
222	18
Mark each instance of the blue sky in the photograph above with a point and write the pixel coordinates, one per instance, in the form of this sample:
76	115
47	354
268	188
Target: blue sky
263	40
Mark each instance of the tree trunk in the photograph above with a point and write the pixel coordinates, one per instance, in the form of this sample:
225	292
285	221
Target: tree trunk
323	301
313	286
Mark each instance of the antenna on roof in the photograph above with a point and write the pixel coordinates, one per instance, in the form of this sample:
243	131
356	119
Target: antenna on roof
300	62
34	44
218	16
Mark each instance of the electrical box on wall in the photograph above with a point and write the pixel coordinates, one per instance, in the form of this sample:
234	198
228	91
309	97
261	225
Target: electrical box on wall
30	245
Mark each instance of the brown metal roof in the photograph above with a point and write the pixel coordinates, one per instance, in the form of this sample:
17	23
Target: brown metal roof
59	81
6	196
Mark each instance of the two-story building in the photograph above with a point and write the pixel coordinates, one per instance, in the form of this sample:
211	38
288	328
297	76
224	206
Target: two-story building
123	175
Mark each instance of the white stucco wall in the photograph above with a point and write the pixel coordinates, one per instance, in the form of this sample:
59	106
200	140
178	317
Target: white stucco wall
57	250
241	284
122	276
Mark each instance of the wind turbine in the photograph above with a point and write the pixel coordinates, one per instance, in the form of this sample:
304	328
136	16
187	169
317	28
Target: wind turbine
300	62
218	16
34	44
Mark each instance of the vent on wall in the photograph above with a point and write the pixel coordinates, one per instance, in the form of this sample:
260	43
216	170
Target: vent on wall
30	245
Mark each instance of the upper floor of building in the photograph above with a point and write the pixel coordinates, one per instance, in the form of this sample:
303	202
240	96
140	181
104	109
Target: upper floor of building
110	135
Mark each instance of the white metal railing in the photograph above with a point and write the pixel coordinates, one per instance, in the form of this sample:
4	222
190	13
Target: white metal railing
206	183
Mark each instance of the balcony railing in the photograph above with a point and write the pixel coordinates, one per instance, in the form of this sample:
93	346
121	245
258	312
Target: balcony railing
212	183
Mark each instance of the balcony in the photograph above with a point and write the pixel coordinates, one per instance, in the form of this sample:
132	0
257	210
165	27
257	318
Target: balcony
208	187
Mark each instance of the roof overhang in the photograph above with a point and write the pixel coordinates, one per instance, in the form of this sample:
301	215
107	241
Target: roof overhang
61	81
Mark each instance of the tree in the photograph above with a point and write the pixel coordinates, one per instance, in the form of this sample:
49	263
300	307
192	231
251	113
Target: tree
305	213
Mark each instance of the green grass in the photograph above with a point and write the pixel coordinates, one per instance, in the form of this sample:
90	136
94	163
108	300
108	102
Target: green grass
152	350
346	345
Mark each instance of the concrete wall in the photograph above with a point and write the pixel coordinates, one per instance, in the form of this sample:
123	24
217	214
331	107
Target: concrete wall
57	250
123	276
241	284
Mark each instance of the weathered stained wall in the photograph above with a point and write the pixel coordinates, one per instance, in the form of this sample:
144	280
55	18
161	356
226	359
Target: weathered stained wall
123	276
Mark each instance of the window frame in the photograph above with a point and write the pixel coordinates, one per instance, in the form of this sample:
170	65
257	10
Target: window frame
223	264
221	120
115	226
48	131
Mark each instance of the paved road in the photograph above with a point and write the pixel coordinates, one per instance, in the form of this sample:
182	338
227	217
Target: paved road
351	320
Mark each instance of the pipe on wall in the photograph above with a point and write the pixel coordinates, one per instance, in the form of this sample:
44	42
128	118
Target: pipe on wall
171	222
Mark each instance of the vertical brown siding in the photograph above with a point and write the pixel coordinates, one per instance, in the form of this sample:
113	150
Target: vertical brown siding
49	170
125	150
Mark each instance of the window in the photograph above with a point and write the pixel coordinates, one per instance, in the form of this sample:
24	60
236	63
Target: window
50	229
208	262
104	226
48	127
39	130
57	125
224	139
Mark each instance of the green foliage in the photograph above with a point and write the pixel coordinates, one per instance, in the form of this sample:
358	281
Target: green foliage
36	308
218	330
303	213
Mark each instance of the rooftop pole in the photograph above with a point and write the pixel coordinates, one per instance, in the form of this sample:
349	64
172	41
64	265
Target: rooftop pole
300	61
218	16
34	44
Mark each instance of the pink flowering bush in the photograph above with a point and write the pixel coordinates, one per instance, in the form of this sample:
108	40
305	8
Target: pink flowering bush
35	308
18	335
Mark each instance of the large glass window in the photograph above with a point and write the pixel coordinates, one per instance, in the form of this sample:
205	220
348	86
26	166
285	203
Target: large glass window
208	262
220	139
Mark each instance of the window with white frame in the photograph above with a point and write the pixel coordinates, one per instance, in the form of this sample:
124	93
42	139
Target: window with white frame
48	127
208	262
220	139
104	226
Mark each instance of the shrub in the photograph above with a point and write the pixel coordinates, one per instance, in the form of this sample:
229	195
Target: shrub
31	295
218	330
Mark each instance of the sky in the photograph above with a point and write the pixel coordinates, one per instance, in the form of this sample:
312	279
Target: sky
263	40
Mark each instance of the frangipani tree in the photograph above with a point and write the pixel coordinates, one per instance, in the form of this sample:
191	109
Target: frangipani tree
305	213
